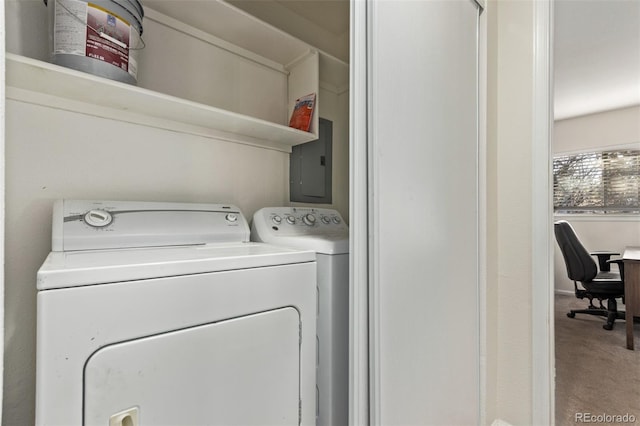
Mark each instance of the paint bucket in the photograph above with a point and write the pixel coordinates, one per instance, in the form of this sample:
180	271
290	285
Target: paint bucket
101	37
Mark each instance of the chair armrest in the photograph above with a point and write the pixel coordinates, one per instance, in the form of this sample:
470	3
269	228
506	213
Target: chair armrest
620	263
603	259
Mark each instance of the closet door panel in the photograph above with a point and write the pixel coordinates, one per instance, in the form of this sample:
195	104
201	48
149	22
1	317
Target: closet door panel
424	212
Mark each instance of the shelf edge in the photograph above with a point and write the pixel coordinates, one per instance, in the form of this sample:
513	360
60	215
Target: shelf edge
242	129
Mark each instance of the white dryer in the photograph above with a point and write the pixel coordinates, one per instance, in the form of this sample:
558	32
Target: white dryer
325	232
166	314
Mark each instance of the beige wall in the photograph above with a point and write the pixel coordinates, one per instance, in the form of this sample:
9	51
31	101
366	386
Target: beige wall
510	89
596	131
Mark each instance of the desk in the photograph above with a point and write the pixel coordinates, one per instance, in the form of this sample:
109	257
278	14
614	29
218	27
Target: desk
631	259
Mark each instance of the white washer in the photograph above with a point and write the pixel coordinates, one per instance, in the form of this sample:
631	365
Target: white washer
165	314
325	232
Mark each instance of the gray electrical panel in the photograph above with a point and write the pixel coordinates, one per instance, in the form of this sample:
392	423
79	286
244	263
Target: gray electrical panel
310	168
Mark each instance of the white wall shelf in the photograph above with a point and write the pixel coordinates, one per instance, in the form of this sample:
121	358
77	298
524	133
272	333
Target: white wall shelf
198	105
38	82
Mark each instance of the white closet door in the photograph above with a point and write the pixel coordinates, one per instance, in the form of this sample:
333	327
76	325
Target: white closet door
423	195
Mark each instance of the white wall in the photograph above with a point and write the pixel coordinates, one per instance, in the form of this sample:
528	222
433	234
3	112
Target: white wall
27	28
52	154
286	19
610	129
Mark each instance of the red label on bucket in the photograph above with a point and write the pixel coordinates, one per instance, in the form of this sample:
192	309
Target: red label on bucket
108	37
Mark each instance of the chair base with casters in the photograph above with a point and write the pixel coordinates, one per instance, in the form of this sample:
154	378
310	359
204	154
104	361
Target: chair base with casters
610	312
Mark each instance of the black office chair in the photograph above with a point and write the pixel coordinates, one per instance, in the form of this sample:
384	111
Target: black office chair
596	285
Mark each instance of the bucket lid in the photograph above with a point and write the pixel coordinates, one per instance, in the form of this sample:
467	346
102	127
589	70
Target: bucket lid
133	7
134	10
138	7
135	3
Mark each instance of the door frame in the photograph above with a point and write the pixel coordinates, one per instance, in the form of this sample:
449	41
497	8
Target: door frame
2	192
358	207
542	279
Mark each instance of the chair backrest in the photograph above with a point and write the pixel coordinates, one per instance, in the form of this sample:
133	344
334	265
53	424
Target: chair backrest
580	265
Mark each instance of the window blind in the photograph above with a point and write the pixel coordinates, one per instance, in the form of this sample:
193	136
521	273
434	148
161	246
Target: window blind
597	182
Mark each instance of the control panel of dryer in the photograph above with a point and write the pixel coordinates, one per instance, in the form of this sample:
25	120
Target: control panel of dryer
91	225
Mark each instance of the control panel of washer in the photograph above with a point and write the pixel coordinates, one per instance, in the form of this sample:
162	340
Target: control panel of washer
300	221
321	230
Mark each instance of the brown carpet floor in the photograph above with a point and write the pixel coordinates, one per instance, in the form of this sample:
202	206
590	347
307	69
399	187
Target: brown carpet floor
595	373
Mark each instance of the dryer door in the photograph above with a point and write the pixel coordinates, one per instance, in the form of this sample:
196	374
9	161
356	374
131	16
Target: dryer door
241	371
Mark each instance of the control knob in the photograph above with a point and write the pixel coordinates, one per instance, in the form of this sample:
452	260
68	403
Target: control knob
276	219
291	220
309	219
98	218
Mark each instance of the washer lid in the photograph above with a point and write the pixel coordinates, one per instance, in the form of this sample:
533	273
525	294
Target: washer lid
79	268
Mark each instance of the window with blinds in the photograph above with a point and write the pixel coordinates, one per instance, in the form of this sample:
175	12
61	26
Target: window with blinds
606	182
